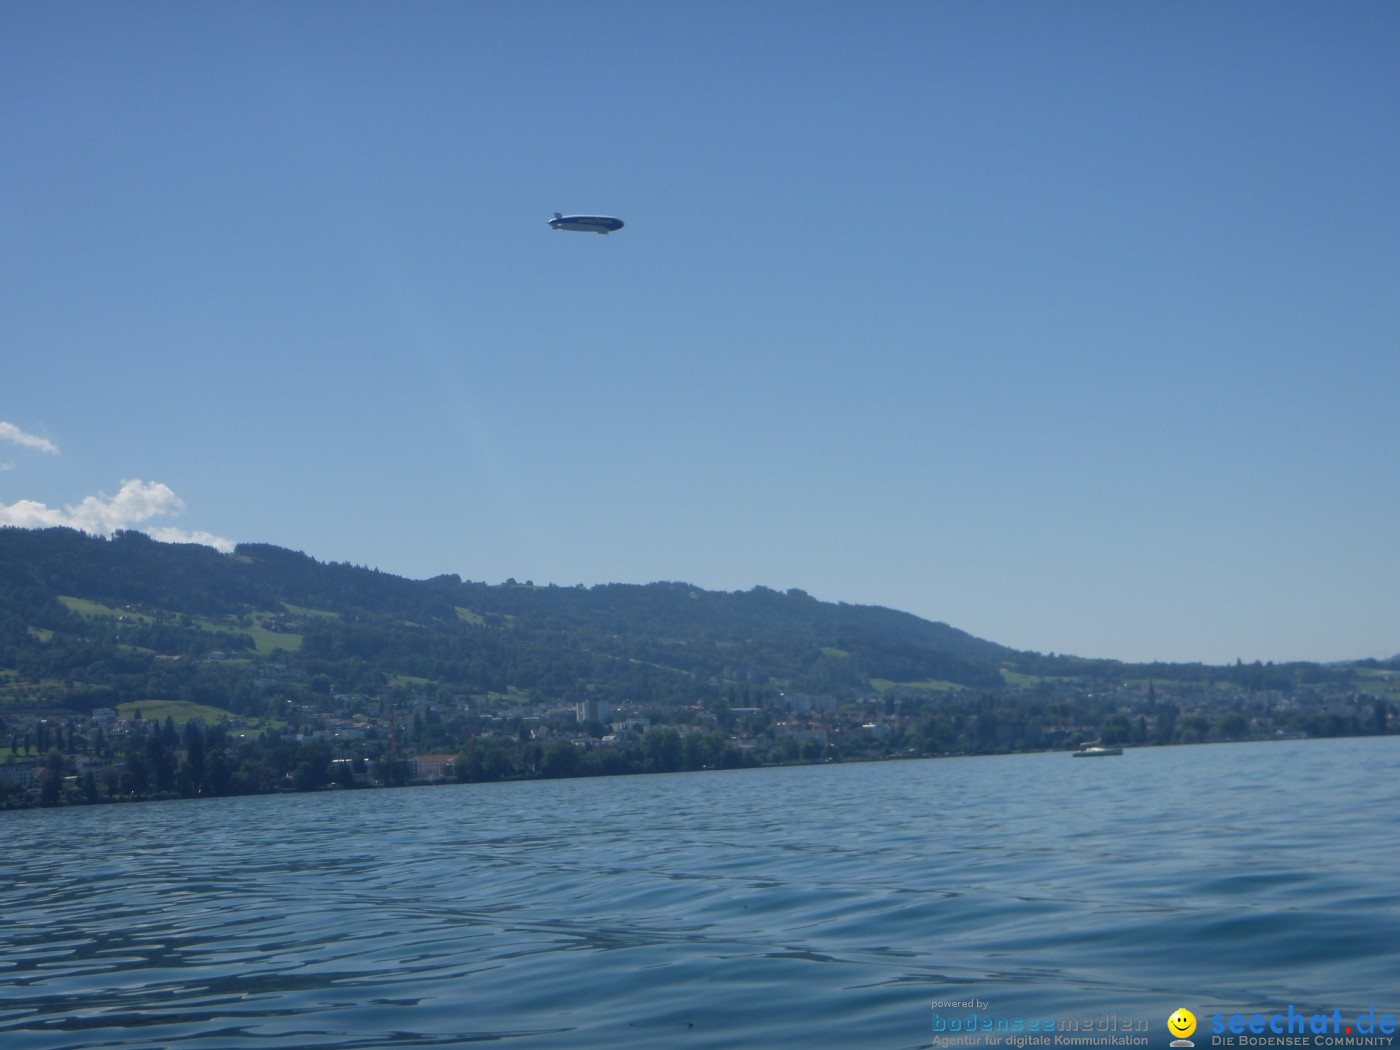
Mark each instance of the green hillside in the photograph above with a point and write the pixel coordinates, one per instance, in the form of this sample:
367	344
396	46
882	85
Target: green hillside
89	622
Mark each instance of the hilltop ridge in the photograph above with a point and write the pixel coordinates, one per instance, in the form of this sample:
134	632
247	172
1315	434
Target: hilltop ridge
190	600
663	642
87	621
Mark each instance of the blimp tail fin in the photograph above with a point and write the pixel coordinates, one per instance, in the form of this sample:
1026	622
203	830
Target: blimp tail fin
558	214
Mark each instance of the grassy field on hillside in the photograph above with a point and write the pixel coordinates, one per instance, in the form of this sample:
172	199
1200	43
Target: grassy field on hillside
83	607
928	685
1382	682
180	710
1017	680
265	640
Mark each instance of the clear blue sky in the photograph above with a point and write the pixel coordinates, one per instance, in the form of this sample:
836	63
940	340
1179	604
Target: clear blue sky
1076	326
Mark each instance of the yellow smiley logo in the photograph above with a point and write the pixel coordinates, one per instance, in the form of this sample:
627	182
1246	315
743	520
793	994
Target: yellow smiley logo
1182	1023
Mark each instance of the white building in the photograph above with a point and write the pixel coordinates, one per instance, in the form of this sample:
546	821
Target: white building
593	711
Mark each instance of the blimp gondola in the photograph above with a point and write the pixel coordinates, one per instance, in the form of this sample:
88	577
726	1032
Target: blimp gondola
586	223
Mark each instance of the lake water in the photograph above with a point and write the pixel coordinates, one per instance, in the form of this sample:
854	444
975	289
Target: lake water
806	906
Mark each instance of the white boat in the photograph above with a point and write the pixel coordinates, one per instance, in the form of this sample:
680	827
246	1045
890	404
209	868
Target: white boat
1096	751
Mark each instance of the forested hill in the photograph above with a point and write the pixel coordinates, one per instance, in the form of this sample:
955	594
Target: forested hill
99	614
88	621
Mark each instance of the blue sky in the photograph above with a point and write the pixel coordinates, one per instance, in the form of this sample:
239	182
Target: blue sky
1076	326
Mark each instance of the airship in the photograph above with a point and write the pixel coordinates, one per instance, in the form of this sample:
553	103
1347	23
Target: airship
586	223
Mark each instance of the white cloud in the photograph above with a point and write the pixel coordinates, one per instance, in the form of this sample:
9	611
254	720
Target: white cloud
137	501
13	434
167	534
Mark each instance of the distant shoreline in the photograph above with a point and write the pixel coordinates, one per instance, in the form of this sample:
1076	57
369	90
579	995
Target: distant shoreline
69	799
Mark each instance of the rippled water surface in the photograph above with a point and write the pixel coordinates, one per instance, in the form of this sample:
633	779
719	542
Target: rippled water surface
813	906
